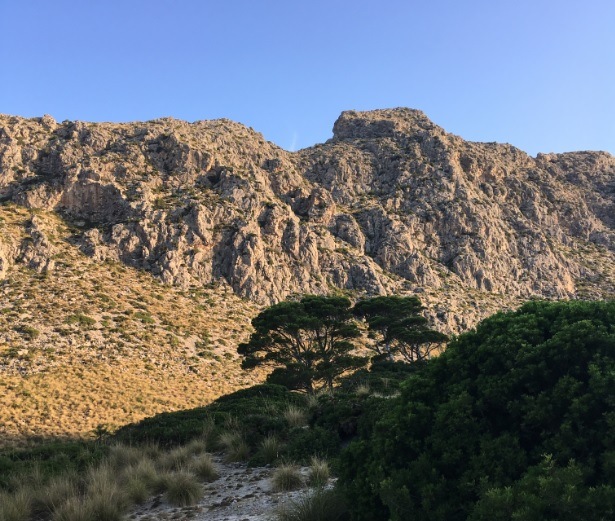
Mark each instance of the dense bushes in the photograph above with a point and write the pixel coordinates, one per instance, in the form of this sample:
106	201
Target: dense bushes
509	413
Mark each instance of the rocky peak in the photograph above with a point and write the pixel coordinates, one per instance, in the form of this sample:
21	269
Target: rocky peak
379	124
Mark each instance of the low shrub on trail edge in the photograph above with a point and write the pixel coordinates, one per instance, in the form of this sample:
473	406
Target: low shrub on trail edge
515	417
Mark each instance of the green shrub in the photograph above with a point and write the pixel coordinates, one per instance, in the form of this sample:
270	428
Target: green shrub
252	405
304	443
482	416
81	320
29	332
48	459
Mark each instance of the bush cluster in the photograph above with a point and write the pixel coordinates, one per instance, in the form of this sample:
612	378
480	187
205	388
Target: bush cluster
517	416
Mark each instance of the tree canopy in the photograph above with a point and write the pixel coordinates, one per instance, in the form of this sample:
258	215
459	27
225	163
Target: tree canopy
308	341
398	328
515	420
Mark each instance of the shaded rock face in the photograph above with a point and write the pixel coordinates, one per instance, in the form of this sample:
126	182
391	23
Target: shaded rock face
392	203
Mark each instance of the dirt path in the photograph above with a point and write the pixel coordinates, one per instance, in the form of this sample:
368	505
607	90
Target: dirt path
239	494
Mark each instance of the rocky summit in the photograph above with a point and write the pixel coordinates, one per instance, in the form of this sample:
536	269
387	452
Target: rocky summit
392	203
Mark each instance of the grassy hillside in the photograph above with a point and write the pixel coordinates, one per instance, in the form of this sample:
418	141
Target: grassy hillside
85	342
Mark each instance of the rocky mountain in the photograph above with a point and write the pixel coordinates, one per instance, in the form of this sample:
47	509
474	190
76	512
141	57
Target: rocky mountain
391	204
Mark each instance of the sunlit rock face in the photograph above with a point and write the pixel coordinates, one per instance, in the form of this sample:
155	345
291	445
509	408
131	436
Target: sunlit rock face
391	204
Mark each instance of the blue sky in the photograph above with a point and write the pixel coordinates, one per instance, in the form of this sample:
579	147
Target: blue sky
537	74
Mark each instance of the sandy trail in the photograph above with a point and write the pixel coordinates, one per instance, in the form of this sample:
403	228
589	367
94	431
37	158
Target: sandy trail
239	494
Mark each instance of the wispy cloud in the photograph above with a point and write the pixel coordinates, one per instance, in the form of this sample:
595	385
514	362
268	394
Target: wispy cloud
293	143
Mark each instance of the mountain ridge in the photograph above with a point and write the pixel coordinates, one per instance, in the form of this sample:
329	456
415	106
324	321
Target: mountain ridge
356	212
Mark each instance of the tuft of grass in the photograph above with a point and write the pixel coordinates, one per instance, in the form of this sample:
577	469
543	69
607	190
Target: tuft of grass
74	509
121	456
137	490
311	401
319	472
270	449
321	505
16	506
209	428
234	446
183	489
228	438
232	423
197	446
144	471
59	490
287	477
104	496
362	390
204	467
295	416
176	459
238	452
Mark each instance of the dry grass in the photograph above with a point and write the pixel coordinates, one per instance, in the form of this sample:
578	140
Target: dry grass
176	459
311	401
145	471
234	446
287	477
126	477
16	506
362	390
137	490
121	456
57	492
74	509
270	449
105	495
239	453
182	488
295	416
107	349
319	472
197	446
204	468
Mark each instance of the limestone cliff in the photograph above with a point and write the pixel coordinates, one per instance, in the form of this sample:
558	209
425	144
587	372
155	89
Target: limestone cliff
392	203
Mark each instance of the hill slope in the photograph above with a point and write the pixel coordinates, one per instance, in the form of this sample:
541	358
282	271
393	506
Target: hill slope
97	216
84	343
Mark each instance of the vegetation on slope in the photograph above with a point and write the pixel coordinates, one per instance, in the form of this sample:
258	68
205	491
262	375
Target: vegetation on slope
514	421
86	342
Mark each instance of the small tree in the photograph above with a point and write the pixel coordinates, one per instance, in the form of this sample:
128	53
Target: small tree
307	341
397	327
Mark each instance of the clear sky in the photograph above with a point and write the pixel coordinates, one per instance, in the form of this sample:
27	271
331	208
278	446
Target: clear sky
539	74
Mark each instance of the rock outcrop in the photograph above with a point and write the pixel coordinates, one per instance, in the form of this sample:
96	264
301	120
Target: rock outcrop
392	203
